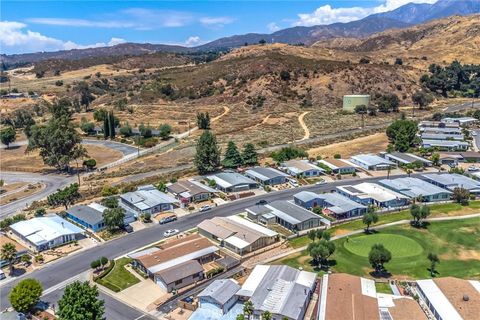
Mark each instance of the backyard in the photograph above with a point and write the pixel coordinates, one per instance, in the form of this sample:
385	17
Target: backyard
455	242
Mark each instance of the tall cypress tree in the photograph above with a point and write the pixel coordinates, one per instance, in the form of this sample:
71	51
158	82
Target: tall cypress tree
249	155
232	158
112	125
207	158
106	128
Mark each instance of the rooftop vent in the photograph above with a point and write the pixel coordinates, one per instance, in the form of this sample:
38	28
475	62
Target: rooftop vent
466	297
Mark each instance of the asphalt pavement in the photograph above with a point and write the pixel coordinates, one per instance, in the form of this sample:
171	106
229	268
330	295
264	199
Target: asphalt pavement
50	181
66	268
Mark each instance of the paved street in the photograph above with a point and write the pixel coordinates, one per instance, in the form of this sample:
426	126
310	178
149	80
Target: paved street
463	106
75	264
50	181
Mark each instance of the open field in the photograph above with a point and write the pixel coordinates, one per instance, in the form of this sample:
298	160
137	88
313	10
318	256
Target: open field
15	159
119	278
455	242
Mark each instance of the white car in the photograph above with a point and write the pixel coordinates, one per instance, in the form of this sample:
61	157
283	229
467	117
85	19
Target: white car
474	133
205	208
170	232
321	182
473	168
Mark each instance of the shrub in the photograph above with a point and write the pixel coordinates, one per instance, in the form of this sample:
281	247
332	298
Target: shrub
109	190
95	264
337	156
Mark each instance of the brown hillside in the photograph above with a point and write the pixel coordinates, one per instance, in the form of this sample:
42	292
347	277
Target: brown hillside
453	38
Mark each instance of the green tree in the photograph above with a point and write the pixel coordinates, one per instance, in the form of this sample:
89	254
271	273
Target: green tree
90	164
164	131
378	256
80	302
362	110
249	155
110	202
203	121
369	218
25	295
435	159
100	114
320	252
288	153
240	317
421	99
126	130
86	97
9	254
248	309
418	214
113	218
58	141
207	158
87	127
66	196
461	195
111	125
161	186
402	134
232	158
8	135
312	235
284	75
266	315
434	260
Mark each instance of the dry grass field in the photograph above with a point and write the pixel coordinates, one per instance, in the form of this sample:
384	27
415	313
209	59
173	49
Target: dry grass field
15	159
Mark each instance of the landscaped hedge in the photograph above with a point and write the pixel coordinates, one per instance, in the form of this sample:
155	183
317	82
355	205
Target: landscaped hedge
105	272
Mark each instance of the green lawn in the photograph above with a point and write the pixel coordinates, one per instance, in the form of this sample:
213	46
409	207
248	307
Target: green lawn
455	242
383	287
119	278
436	210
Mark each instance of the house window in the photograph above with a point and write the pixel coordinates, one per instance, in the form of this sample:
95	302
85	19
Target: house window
178	282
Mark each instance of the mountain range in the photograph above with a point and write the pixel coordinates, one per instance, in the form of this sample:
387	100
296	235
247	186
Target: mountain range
402	17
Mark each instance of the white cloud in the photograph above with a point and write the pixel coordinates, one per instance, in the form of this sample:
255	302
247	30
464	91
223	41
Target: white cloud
82	23
272	27
115	41
217	22
193	41
16	38
327	15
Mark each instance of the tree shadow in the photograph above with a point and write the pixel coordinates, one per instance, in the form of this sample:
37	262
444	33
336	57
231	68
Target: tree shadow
370	231
17	272
380	274
11	148
422	225
325	267
434	273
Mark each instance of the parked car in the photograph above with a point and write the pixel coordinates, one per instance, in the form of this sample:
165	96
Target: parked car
170	232
168	219
205	208
293	183
474	133
261	202
473	168
128	228
2	275
321	182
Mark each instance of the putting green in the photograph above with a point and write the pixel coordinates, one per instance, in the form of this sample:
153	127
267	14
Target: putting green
400	246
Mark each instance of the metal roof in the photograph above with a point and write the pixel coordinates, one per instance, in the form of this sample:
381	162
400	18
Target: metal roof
290	212
221	290
366	190
453	180
230	179
412	187
306	196
41	230
442	136
280	290
444	143
371	159
180	271
442	130
86	214
301	166
407	158
265	173
340	204
336	163
191	187
437	299
147	197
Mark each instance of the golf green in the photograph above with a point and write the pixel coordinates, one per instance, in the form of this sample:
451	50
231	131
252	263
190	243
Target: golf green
400	246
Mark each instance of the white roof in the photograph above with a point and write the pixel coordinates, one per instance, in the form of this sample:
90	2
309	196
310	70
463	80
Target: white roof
182	259
230	179
254	279
97	206
371	160
237	242
45	229
368	287
374	191
147	197
438	300
253	226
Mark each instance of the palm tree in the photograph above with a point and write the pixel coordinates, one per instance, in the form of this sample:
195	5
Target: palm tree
9	254
248	309
266	315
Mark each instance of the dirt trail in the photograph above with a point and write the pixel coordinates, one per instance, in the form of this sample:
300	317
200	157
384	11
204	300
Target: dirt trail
304	126
226	110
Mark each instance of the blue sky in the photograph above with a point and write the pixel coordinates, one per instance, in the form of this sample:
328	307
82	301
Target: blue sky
54	25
